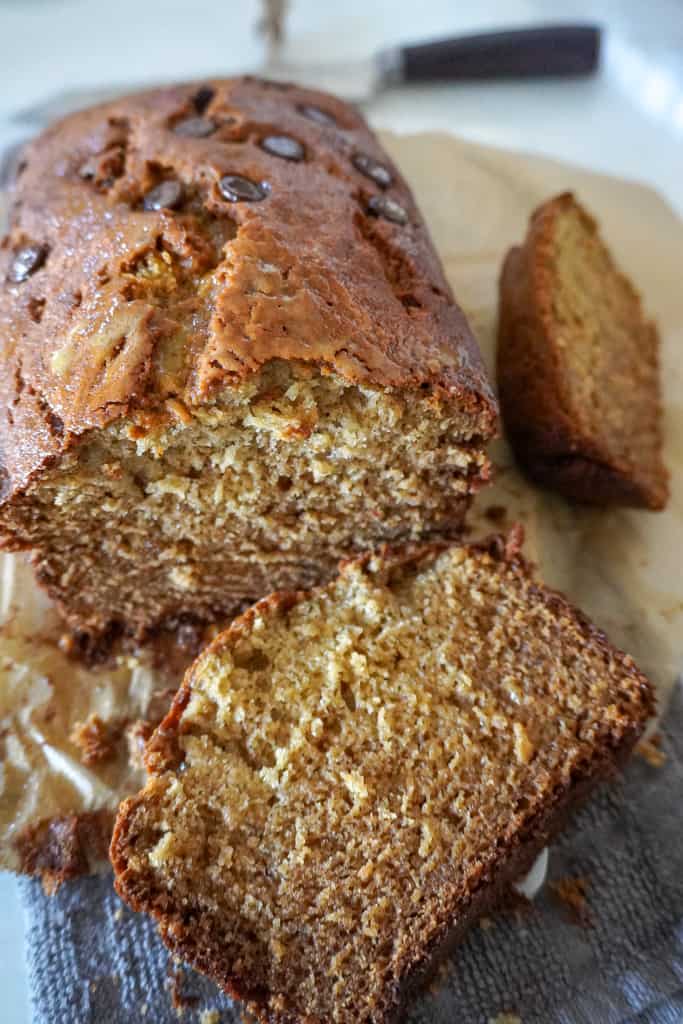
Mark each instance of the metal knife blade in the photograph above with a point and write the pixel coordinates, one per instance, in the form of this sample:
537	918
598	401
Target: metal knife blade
541	51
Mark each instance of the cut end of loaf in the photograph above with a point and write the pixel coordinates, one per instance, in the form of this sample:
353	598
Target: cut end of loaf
578	365
196	510
347	776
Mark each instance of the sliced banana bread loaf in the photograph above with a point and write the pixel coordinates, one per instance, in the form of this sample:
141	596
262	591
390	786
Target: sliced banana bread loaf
578	371
228	355
349	777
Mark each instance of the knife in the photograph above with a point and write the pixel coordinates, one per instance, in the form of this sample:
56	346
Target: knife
543	51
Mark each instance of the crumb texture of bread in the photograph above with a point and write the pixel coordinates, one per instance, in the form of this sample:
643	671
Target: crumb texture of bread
343	771
266	487
255	316
578	365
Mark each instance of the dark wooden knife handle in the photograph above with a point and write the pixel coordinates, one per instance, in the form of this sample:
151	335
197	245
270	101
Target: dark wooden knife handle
520	53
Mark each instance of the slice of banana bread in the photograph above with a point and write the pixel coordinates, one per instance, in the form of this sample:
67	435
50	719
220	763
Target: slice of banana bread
228	355
348	777
578	371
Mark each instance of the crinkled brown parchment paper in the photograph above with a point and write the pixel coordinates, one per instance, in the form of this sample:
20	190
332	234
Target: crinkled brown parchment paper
624	568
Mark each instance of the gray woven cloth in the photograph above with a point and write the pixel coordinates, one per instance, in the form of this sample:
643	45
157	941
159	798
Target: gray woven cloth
92	960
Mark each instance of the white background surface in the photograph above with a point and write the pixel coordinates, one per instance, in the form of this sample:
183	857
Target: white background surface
626	121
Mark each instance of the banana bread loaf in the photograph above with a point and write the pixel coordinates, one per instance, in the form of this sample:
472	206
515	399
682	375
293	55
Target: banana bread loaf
578	371
229	355
347	778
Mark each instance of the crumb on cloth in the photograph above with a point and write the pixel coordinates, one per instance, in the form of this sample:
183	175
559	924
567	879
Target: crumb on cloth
649	750
181	1000
572	893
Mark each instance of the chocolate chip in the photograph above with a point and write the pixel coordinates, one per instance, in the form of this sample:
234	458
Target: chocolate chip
26	261
316	114
202	98
284	146
195	127
383	206
238	189
372	168
166	196
55	423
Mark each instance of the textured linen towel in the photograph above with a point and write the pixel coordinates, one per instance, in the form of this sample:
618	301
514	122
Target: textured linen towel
92	961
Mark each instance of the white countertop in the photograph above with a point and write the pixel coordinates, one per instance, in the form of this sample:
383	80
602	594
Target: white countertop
626	121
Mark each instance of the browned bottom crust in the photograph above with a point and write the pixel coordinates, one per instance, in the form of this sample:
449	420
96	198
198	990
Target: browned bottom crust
577	477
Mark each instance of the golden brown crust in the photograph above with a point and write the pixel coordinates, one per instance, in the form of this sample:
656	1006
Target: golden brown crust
190	933
546	424
123	308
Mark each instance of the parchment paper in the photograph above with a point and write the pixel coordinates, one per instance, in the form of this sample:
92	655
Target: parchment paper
622	567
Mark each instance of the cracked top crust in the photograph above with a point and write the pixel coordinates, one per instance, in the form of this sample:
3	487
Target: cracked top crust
171	243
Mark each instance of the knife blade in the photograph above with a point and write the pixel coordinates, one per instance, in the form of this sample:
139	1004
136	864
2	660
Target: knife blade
537	52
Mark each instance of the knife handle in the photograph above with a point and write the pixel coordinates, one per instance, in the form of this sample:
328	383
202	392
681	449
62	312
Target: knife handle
519	53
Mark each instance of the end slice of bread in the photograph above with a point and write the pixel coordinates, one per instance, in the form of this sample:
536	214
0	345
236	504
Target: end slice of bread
349	777
578	365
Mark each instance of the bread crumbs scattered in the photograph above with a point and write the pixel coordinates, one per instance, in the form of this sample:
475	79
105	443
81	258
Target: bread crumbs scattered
118	914
209	1017
180	1000
96	739
650	752
485	923
143	1010
572	893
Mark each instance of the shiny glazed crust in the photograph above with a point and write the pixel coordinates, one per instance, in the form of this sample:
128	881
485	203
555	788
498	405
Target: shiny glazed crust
548	432
307	273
